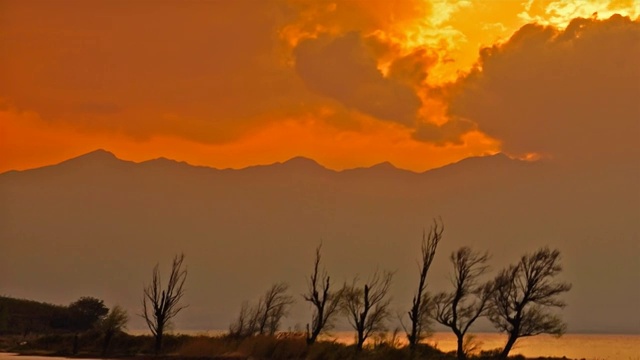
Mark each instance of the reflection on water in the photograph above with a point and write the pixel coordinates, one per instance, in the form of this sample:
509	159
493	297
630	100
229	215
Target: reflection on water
576	346
573	346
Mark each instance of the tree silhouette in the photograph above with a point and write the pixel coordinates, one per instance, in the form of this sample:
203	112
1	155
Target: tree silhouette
115	321
265	317
275	305
419	312
367	307
523	295
161	305
469	300
83	314
325	303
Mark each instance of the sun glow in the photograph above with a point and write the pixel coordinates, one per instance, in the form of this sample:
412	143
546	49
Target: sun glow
74	84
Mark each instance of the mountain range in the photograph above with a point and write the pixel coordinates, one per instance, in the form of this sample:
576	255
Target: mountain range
96	225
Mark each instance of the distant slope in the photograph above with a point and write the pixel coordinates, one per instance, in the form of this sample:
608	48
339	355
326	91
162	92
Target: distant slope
19	316
96	225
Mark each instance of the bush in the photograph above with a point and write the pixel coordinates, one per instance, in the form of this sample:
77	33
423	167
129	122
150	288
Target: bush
330	350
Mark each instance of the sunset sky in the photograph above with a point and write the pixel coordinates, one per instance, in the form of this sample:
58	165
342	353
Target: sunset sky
352	83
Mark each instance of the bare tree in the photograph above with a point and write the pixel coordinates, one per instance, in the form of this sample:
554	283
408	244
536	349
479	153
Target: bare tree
523	295
275	304
469	300
161	305
265	317
325	302
421	303
246	323
367	307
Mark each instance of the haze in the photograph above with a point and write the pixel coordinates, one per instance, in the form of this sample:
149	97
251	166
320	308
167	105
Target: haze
537	100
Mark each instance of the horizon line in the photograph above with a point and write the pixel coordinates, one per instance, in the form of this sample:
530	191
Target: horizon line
294	158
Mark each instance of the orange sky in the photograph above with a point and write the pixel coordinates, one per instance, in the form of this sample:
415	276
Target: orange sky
347	83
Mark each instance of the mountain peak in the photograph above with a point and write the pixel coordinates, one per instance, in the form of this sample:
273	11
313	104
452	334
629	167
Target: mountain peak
96	157
301	161
384	166
98	154
479	161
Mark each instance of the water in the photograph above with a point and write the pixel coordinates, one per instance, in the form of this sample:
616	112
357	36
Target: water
573	346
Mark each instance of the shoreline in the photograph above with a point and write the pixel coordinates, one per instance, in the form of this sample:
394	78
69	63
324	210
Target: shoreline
571	345
194	346
86	356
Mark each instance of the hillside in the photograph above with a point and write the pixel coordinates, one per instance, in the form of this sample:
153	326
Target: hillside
20	316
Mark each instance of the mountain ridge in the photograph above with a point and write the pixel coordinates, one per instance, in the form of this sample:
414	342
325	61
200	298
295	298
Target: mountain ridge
102	156
98	227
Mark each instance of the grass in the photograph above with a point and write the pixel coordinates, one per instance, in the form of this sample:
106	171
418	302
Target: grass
289	346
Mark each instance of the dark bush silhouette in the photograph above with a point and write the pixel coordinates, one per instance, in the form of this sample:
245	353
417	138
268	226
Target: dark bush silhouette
84	314
115	321
25	317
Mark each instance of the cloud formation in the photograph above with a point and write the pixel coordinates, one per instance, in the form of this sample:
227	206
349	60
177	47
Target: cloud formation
345	69
220	73
451	132
570	94
167	66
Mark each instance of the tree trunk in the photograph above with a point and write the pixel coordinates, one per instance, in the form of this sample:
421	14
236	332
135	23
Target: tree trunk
317	327
107	341
158	347
508	346
360	342
413	337
460	350
412	345
75	344
312	338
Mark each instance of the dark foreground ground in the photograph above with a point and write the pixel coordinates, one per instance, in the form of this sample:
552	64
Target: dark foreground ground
186	347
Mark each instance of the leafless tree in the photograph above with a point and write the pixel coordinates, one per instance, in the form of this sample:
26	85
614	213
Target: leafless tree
421	303
276	303
265	317
523	296
325	302
469	300
161	305
246	323
367	307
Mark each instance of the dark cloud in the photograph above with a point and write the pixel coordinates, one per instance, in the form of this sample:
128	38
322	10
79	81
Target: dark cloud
214	64
569	94
448	133
412	69
344	68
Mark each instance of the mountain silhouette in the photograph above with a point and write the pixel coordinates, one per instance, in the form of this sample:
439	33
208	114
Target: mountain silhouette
96	225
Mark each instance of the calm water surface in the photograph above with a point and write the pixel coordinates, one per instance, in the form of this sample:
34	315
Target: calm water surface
573	346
